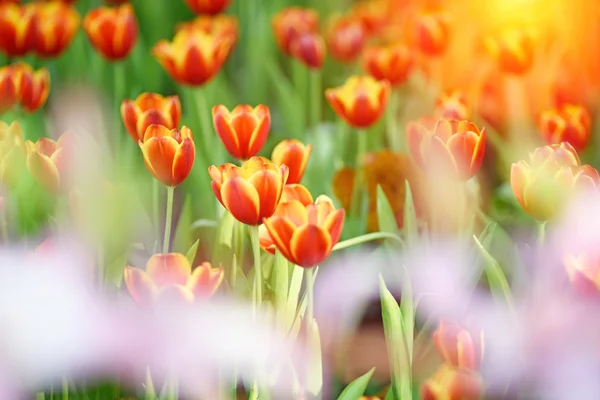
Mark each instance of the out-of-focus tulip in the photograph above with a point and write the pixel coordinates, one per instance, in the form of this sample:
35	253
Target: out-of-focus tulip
33	87
346	37
207	6
374	14
290	193
243	130
171	276
168	153
290	23
193	57
360	101
17	29
222	25
513	51
8	90
56	26
459	347
250	192
432	33
392	63
452	105
584	273
148	109
491	104
543	185
453	148
48	162
309	48
113	32
295	155
12	153
570	123
305	235
451	383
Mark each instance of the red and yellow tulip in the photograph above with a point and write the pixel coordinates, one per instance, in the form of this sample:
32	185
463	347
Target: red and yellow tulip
56	26
309	48
17	29
392	63
221	25
346	38
33	87
569	123
458	347
294	154
452	105
112	31
148	109
432	32
207	6
513	51
8	90
290	23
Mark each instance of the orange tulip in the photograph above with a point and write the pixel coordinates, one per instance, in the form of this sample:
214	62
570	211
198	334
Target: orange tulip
223	26
170	275
452	105
452	147
250	192
207	6
194	57
346	38
459	347
169	154
243	130
294	154
290	23
544	184
570	123
432	33
56	27
305	235
451	383
47	161
8	90
112	31
291	192
361	101
148	109
32	86
513	51
17	29
584	273
12	153
374	14
392	63
309	48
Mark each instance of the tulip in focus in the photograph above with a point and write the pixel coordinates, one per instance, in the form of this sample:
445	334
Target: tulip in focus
346	38
305	235
149	109
168	153
453	148
294	154
584	274
432	33
360	101
171	276
56	26
48	162
459	347
17	29
309	48
208	6
570	123
450	383
392	63
8	90
452	105
290	23
33	87
243	130
113	32
513	51
12	153
250	192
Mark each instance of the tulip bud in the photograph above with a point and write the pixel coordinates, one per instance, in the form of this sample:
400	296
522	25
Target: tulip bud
513	51
392	63
8	90
17	29
290	23
309	48
570	123
346	38
244	130
48	162
32	86
221	26
294	154
149	109
112	31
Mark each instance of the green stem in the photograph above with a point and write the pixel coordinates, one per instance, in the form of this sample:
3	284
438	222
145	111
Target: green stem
299	77
257	290
120	73
361	149
156	204
168	219
366	238
205	125
309	280
65	389
316	98
541	231
394	140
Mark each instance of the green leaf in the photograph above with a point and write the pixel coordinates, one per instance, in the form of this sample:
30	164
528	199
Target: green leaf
357	387
315	378
385	213
293	294
410	230
191	253
114	270
390	394
495	276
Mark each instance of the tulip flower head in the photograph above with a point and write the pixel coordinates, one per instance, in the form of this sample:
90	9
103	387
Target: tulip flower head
459	347
208	6
148	109
346	38
48	162
294	154
8	90
56	26
168	153
12	153
309	48
584	273
305	235
450	383
392	63
250	192
513	51
452	148
360	101
290	23
452	105
432	33
570	123
113	32
171	276
221	25
243	130
17	29
33	87
374	14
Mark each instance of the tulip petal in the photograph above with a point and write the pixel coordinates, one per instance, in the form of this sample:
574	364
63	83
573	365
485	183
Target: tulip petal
205	281
310	245
440	160
519	179
151	117
334	224
265	240
130	117
298	192
44	171
242	200
281	231
260	133
175	295
168	269
183	161
269	188
159	153
462	147
139	285
226	133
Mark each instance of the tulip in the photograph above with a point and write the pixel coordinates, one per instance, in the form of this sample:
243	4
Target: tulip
243	130
374	14
8	90
57	25
12	153
305	235
513	51
290	23
223	26
112	31
309	48
207	6
17	29
452	105
432	33
171	275
168	153
451	383
149	109
193	57
459	347
346	38
294	154
47	161
32	86
392	63
570	123
361	101
291	192
250	192
452	147
584	273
